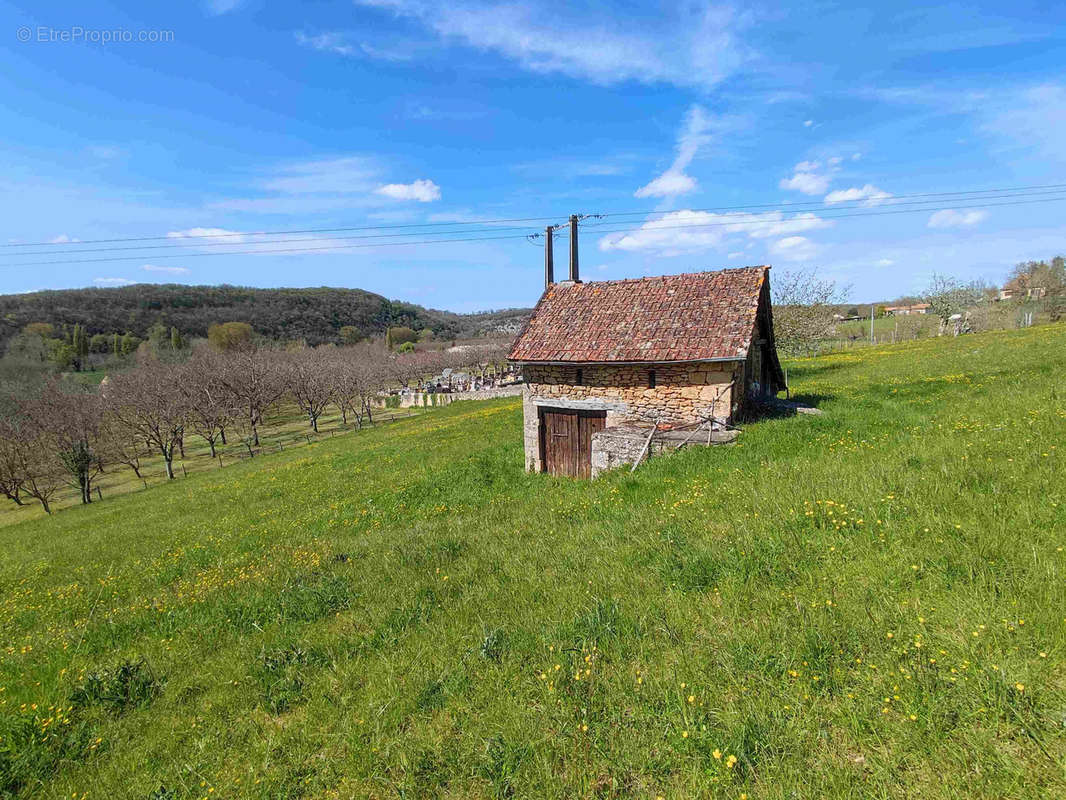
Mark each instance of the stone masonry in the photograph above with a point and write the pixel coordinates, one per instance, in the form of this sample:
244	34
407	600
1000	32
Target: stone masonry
682	394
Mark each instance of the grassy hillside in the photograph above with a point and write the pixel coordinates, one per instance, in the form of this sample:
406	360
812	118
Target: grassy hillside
870	603
315	315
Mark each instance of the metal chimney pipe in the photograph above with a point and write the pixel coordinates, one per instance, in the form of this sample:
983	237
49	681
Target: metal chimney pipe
573	249
549	258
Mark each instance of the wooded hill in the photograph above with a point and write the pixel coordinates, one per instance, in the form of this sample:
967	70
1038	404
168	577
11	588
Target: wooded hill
314	315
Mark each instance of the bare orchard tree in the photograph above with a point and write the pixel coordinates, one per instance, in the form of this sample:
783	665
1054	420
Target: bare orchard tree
358	373
209	403
122	447
414	366
947	297
803	310
12	438
307	375
28	465
255	382
69	421
151	408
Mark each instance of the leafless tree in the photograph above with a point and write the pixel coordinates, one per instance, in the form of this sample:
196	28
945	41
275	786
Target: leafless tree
11	474
210	405
357	374
151	408
28	464
414	366
123	447
306	373
69	421
253	379
803	310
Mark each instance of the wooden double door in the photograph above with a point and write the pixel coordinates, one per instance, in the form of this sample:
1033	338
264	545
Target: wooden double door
566	440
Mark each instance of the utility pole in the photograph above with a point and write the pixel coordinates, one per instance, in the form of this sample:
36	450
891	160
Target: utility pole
872	323
573	249
549	258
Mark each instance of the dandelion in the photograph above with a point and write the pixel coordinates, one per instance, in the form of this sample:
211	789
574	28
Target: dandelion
717	754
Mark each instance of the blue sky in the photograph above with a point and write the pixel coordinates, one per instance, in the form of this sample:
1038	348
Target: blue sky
258	115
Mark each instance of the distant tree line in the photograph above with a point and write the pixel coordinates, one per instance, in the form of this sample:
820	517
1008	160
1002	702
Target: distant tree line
316	316
60	432
41	345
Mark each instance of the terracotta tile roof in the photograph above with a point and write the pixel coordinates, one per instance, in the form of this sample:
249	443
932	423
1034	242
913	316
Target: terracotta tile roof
696	316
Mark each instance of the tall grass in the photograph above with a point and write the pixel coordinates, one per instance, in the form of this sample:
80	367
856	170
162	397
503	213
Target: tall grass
869	603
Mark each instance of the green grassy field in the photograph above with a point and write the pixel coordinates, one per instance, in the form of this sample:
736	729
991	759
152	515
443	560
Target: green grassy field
869	603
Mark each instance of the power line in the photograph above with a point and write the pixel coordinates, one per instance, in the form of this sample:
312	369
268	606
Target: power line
646	212
730	223
824	209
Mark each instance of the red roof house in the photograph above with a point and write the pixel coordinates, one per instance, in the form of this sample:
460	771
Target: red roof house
669	351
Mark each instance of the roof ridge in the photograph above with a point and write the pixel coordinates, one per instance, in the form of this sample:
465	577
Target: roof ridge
672	275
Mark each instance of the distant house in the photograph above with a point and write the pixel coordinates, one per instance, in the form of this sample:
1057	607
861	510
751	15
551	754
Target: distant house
665	351
903	311
1031	293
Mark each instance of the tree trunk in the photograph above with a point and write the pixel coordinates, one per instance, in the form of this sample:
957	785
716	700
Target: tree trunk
83	485
211	444
222	434
168	459
45	506
314	422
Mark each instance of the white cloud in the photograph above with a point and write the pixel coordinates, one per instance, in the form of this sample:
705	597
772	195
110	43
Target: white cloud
808	178
220	240
950	218
696	132
216	234
869	194
686	45
885	262
806	182
62	239
328	42
218	7
170	270
794	248
331	184
692	231
422	191
669	184
342	44
112	281
808	123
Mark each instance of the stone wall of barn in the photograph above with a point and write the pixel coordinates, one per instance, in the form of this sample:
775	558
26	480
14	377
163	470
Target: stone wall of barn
682	394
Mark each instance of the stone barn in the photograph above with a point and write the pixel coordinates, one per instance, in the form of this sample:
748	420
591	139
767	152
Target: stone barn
607	362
